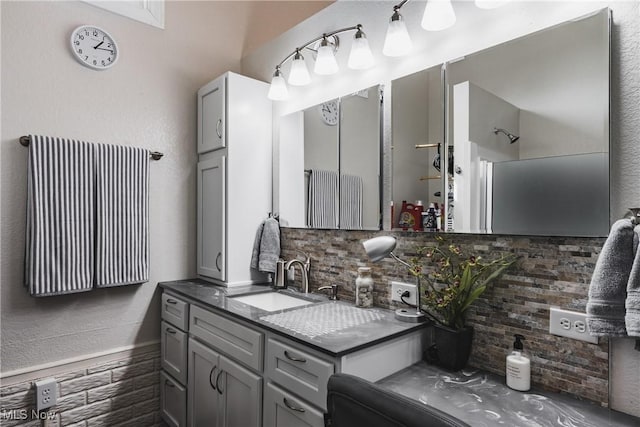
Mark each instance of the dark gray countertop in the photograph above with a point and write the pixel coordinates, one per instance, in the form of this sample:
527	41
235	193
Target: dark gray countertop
482	399
336	343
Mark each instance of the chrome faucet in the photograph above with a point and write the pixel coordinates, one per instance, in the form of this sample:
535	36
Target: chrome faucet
307	261
304	287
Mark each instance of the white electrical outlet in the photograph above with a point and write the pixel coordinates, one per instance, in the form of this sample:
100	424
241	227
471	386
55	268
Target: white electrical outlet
398	288
46	393
570	324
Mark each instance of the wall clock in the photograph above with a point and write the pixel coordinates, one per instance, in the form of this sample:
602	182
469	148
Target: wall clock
329	112
94	47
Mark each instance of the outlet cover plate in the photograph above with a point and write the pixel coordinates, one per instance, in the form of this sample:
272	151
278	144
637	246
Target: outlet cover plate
570	324
397	288
46	393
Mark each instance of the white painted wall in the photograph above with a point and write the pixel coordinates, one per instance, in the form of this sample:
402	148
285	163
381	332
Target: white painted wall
476	30
147	100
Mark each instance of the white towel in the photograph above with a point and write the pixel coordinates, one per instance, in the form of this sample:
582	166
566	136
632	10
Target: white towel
122	215
60	211
632	303
351	202
322	209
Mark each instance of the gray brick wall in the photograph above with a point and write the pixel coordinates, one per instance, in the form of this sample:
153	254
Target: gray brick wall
122	393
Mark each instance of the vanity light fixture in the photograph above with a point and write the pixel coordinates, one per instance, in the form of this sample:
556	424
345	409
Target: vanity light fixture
438	15
377	249
490	4
360	58
397	41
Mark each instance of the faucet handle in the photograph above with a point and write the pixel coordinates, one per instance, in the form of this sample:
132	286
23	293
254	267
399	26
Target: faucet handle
333	296
307	259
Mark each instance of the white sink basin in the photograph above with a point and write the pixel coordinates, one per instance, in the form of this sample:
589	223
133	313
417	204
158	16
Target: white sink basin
272	301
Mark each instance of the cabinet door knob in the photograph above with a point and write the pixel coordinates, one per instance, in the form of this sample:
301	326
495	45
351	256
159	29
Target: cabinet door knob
217	261
218	128
171	331
290	406
211	375
218	379
293	358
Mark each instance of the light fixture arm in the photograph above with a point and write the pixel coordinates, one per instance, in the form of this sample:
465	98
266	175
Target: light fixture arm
317	39
392	255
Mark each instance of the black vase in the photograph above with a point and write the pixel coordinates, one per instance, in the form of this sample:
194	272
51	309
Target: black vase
452	347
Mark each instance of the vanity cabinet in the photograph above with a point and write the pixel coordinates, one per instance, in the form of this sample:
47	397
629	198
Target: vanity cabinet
283	409
234	176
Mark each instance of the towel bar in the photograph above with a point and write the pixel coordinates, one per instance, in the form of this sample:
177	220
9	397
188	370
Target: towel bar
25	141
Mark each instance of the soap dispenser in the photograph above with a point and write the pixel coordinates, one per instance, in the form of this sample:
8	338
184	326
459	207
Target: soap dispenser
518	367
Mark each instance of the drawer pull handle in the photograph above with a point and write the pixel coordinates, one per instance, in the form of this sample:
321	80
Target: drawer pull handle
293	358
218	379
217	261
218	131
290	406
169	383
213	386
171	331
172	301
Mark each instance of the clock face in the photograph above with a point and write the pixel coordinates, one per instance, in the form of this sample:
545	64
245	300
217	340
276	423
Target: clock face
329	112
94	47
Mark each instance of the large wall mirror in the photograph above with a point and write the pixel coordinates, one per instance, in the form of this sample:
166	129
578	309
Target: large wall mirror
528	128
329	157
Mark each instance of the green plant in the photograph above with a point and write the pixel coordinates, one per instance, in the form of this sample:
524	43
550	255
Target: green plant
452	280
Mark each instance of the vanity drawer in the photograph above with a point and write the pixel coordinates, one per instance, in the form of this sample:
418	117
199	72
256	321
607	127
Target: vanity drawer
175	311
298	371
173	401
174	352
239	342
282	409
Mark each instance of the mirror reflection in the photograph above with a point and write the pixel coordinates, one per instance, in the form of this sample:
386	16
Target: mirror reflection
329	159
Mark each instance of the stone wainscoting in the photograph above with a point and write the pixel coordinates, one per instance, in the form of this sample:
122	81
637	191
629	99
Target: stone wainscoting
552	271
118	393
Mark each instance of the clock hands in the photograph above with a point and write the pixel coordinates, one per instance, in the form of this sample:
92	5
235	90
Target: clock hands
98	45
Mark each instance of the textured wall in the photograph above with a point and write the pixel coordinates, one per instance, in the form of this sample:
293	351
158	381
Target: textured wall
551	272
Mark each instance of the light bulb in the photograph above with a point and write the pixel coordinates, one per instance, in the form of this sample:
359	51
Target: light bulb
438	15
278	90
397	42
490	4
299	75
360	57
325	61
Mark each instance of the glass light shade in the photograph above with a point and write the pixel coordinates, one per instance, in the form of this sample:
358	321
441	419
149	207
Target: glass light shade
299	75
360	57
278	90
325	61
379	247
397	42
490	4
438	15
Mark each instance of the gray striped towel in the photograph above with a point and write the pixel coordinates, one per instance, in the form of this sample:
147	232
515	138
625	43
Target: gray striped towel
322	209
351	202
59	256
122	215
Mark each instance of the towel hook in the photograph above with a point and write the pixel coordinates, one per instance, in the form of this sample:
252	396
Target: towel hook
634	215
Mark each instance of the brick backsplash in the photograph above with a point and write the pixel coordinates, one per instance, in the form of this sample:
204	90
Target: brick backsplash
121	393
552	271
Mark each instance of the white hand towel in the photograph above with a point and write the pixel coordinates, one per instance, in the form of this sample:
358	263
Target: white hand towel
632	303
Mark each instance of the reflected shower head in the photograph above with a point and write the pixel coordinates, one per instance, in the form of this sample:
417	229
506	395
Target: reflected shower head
512	138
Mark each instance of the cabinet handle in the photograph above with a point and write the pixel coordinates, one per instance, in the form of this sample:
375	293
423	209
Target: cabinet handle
169	383
171	331
217	261
210	375
172	301
218	379
290	406
218	130
293	358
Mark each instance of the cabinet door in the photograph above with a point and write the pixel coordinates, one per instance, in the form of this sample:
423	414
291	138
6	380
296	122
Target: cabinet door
240	396
204	370
174	352
173	401
211	218
211	116
282	409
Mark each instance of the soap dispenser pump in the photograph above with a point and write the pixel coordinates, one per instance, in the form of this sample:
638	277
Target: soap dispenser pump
518	367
